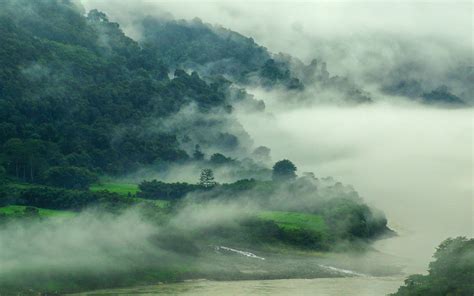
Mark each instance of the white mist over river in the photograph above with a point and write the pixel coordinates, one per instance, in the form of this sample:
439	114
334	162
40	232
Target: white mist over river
414	163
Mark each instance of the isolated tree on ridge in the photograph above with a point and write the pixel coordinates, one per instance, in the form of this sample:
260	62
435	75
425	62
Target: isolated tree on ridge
207	178
284	170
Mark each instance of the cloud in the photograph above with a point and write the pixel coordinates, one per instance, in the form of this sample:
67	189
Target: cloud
375	44
413	162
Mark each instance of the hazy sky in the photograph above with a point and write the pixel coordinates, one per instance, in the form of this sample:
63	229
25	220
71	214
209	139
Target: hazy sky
273	23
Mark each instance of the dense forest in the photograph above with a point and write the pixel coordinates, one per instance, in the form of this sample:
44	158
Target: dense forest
75	91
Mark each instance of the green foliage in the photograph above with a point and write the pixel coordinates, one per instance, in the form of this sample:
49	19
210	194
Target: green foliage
123	189
349	218
273	73
441	95
241	185
262	153
22	211
293	220
413	88
27	159
165	191
284	170
206	180
159	203
304	230
69	177
451	272
3	174
183	43
63	199
75	91
216	51
197	154
220	159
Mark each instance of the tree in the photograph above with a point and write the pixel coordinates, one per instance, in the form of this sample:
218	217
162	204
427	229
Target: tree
31	212
284	170
197	154
70	177
14	150
451	272
207	178
219	159
3	174
262	153
168	191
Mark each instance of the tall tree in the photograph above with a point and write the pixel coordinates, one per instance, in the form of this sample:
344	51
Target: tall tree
207	178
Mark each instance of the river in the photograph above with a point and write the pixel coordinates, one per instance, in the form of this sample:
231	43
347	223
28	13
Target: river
366	286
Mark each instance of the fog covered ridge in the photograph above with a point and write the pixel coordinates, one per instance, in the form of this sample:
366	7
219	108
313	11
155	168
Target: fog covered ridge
398	48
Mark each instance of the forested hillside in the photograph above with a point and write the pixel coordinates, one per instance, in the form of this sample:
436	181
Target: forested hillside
215	51
75	91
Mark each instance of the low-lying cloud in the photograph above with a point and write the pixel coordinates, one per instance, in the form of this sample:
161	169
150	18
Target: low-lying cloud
413	162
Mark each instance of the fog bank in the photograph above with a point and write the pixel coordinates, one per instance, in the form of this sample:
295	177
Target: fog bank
414	163
377	45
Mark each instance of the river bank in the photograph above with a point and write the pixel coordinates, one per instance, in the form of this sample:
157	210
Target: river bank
363	286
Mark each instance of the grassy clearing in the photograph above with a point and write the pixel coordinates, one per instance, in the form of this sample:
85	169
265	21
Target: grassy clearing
295	221
120	188
14	210
125	189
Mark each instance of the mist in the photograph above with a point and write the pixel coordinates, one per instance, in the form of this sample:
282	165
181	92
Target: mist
351	138
375	44
102	248
414	162
89	241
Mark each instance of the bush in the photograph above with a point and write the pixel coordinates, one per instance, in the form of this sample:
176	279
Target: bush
63	199
351	219
220	159
167	191
70	177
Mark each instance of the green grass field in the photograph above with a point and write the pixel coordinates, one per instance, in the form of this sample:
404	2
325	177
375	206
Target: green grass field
120	188
14	210
293	220
124	189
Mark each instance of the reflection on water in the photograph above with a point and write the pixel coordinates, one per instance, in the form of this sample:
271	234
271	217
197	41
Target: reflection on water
362	286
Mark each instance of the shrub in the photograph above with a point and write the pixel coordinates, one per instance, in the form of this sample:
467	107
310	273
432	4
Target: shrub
69	177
